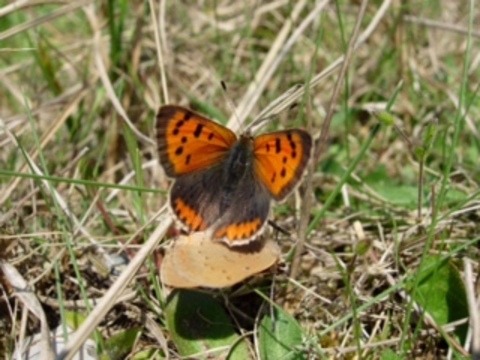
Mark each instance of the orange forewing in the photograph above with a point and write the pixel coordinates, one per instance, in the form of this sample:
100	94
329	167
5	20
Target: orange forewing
280	160
188	142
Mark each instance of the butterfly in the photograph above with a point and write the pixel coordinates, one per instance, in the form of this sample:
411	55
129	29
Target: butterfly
224	183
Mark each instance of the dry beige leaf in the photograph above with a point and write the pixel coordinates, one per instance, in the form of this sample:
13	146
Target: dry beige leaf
196	260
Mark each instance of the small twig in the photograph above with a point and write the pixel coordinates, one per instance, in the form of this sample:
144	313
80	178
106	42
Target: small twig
322	142
48	135
420	189
297	91
70	7
102	71
440	25
324	134
109	299
161	46
274	58
473	310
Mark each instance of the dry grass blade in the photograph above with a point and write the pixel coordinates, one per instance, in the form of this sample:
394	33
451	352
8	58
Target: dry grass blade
161	46
91	15
440	25
30	301
57	198
37	22
114	292
474	310
302	232
298	91
48	136
265	71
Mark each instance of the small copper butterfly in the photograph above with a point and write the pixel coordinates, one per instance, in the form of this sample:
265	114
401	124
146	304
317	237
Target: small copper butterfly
224	183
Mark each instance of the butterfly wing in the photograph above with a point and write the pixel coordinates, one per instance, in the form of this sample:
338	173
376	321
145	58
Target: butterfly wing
194	198
201	201
188	141
245	215
280	160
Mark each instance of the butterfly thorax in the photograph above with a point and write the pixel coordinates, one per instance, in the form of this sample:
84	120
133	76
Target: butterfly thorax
238	163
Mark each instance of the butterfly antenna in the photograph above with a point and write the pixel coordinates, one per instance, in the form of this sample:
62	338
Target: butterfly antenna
261	120
230	103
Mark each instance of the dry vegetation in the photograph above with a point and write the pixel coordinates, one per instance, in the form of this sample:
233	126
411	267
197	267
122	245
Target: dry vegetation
391	252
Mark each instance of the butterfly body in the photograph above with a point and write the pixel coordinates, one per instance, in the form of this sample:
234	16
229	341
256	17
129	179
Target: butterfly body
224	183
238	163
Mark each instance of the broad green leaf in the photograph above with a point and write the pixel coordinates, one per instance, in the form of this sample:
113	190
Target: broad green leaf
280	337
401	195
441	293
120	344
200	327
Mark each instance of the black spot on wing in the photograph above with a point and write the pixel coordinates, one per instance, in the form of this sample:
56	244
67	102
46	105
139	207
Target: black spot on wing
198	130
179	124
278	145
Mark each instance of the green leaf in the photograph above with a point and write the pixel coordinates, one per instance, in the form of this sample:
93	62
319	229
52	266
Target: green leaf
419	152
146	354
74	319
389	354
280	337
386	118
362	247
401	195
120	344
442	294
429	135
200	327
